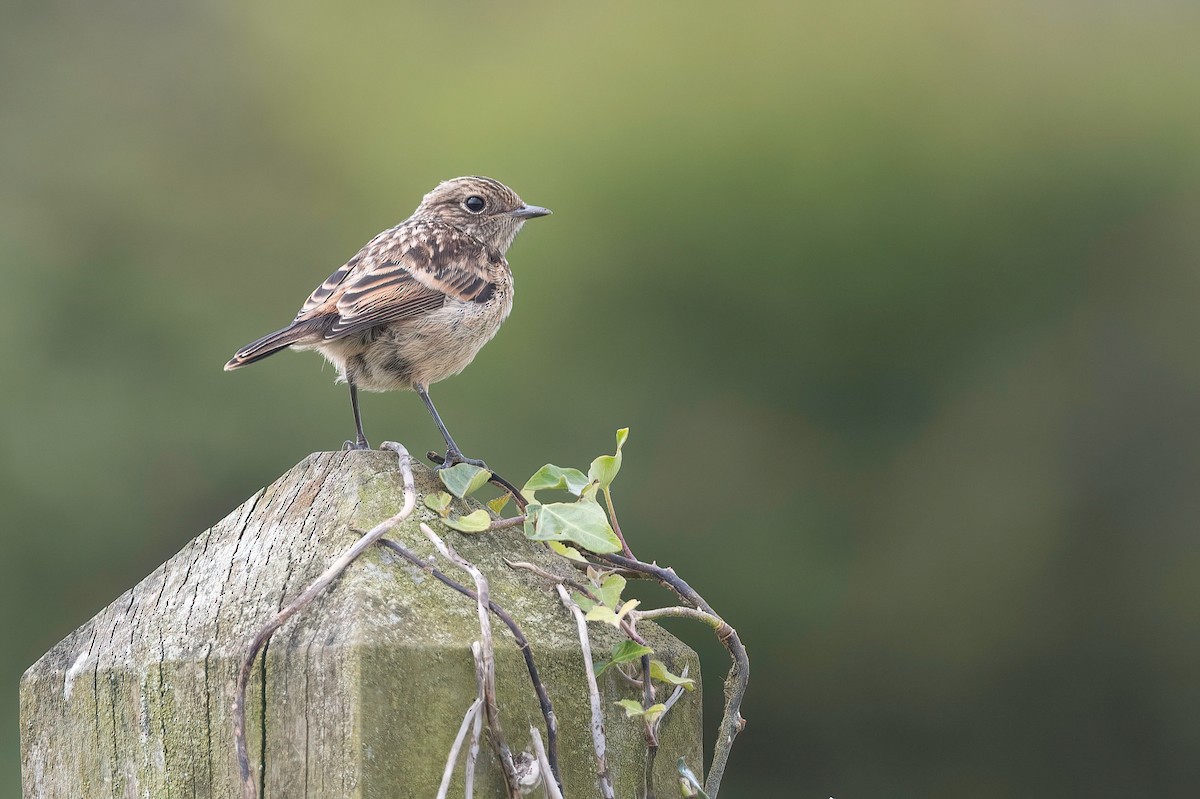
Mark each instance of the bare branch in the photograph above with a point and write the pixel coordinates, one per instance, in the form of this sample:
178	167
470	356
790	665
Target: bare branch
650	729
540	572
452	758
678	692
606	788
717	623
612	515
648	771
477	729
647	688
554	578
739	673
490	708
551	788
626	627
249	788
652	750
503	524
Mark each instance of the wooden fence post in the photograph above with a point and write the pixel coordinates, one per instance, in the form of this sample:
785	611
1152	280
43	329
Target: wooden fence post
359	695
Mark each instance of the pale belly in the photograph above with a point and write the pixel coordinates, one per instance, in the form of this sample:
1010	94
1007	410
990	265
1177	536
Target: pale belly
423	351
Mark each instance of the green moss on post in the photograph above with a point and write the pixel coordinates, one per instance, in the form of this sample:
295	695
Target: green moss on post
364	690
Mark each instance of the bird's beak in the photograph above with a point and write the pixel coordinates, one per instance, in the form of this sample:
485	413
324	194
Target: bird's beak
529	212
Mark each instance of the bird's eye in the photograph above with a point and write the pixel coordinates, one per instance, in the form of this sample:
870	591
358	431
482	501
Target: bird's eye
474	204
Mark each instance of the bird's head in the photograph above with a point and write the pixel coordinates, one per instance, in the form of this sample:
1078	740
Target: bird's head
481	207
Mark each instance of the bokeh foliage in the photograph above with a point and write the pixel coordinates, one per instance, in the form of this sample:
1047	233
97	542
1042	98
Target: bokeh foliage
898	300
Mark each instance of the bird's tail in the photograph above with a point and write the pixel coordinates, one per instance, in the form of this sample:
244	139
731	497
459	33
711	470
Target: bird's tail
272	343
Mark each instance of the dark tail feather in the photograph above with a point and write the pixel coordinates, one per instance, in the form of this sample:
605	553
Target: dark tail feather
272	343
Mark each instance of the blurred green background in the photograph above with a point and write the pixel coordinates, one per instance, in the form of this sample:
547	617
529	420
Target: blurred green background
898	299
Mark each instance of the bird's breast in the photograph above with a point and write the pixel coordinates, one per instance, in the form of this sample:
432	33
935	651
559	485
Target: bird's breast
426	350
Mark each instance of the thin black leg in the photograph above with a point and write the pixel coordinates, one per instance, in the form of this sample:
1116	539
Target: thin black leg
361	442
453	453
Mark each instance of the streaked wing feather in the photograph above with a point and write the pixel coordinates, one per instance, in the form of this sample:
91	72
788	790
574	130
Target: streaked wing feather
320	296
408	272
377	303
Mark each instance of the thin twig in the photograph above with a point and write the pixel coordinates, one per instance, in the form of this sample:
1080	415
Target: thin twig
739	673
612	514
648	770
633	682
490	707
650	729
473	756
674	697
502	524
716	622
540	572
522	643
452	758
540	751
477	729
666	576
652	750
626	627
647	683
249	789
606	788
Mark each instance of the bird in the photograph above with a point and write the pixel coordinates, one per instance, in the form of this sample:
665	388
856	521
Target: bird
416	303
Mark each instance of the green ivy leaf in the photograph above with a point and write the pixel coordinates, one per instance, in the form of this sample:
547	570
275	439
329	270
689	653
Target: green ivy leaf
582	523
608	615
498	504
652	713
624	652
585	604
551	478
439	503
590	491
474	522
610	590
532	512
601	613
604	468
632	707
463	479
570	553
659	672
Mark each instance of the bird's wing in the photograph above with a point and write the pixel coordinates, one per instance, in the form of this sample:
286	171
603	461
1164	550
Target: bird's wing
403	273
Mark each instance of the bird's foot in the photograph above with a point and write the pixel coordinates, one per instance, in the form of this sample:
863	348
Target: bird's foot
454	457
350	446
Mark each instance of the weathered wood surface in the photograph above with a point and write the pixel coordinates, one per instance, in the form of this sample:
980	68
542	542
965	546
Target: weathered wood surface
364	690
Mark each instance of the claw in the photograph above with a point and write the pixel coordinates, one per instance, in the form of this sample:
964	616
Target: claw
454	457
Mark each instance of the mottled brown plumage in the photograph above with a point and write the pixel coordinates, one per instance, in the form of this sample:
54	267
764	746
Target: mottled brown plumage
416	303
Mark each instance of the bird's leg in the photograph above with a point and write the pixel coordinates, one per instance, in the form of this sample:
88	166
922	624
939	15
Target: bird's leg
361	442
453	453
